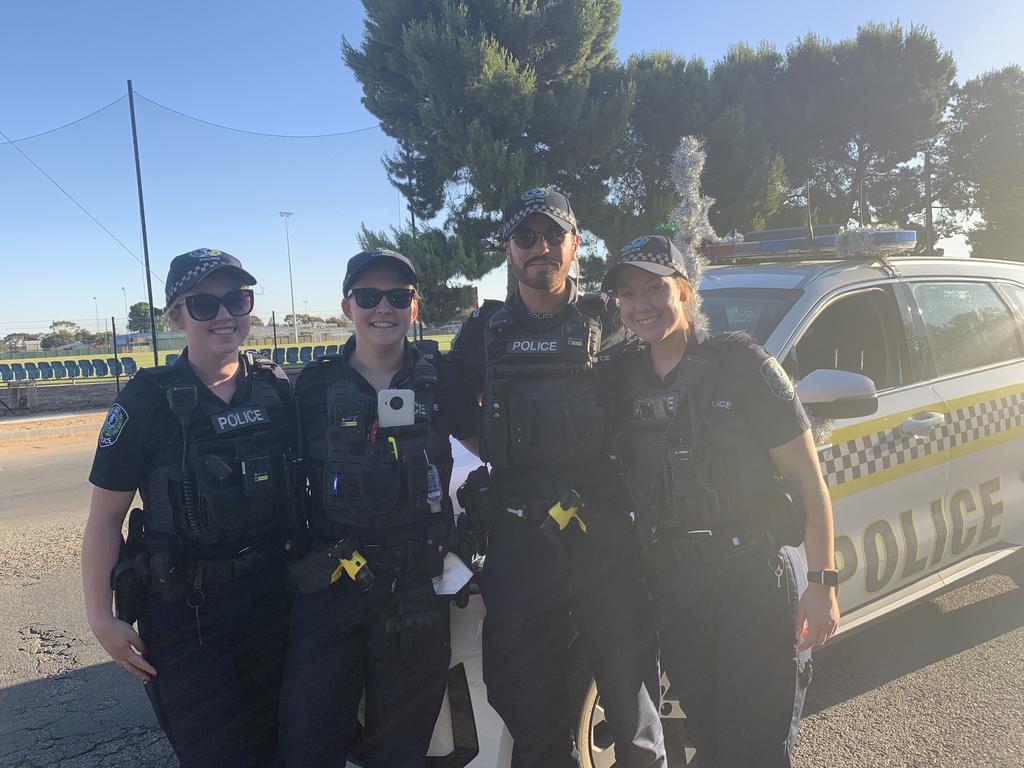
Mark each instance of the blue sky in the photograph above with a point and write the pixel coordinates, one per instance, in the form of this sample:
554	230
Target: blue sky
276	67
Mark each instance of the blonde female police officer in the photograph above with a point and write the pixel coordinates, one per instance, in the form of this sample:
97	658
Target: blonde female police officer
380	521
710	425
204	441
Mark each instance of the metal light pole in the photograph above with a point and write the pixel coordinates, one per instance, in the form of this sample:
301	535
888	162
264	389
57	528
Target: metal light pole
305	308
125	297
142	218
291	286
96	304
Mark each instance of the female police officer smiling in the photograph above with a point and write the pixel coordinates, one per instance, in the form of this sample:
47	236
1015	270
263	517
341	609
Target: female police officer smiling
709	425
379	522
204	441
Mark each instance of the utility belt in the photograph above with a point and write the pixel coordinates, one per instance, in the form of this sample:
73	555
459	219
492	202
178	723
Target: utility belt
349	559
139	570
710	546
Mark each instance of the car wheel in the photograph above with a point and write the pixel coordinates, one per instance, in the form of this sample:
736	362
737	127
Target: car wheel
594	737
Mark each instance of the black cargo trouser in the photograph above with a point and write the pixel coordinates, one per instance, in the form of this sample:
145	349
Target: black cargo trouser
537	595
728	644
218	701
339	649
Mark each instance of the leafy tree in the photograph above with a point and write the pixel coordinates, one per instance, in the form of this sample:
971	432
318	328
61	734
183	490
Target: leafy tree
745	173
138	317
851	113
304	319
16	341
439	258
985	149
256	320
629	191
486	99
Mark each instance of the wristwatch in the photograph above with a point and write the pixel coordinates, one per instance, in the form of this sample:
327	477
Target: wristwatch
826	577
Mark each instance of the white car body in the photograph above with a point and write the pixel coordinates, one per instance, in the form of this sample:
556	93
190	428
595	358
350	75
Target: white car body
926	491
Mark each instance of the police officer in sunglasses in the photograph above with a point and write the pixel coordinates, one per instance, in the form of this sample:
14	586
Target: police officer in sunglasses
374	424
205	442
558	538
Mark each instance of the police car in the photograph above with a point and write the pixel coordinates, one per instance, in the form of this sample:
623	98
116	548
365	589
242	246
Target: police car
912	370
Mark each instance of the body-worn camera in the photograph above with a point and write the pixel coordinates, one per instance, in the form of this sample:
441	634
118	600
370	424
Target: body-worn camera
396	407
654	408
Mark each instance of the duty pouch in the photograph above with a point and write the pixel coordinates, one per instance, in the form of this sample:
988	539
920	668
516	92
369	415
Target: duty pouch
556	421
380	481
129	578
480	502
219	488
785	515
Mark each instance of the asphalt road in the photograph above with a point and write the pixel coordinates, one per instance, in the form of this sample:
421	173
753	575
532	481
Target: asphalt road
941	684
60	469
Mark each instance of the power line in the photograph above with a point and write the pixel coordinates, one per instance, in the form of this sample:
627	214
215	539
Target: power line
66	125
81	207
258	133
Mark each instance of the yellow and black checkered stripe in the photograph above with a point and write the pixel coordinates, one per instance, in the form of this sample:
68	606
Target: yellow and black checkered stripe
875	452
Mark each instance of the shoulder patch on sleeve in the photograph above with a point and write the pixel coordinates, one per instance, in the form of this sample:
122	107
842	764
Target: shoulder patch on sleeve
777	379
113	424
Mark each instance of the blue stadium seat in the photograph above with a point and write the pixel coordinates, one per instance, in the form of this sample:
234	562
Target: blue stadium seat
130	366
100	367
32	370
318	351
265	352
114	364
87	371
6	374
45	370
58	369
71	366
332	349
19	371
305	354
291	355
278	355
171	360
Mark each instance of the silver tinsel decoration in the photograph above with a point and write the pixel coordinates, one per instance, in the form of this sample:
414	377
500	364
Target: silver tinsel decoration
690	218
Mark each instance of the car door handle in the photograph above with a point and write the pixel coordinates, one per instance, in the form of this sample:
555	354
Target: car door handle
922	424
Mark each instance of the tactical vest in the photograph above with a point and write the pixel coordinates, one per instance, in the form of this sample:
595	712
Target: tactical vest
541	409
375	477
232	487
686	473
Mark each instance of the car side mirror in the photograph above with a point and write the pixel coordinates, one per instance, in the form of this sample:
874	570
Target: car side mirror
831	394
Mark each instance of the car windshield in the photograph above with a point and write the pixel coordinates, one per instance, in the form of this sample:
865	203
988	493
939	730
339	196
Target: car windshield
754	310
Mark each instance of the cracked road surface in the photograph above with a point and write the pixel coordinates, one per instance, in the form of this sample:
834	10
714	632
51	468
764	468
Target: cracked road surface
938	686
63	703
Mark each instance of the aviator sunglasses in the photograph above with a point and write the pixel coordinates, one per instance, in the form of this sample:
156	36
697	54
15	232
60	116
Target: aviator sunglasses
527	238
205	306
368	298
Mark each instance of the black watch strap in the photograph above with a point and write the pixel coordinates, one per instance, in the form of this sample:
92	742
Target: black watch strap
828	578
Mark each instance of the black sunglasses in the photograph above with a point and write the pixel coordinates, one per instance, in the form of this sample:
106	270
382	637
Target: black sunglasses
205	306
368	298
527	238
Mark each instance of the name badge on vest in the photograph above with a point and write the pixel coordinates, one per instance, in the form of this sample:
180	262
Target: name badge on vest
533	346
239	419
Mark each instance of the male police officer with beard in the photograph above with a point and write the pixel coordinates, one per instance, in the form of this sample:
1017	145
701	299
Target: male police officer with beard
555	533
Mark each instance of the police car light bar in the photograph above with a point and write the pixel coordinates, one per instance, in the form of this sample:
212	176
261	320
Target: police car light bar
869	243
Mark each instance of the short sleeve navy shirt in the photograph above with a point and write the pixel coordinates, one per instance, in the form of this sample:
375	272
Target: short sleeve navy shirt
140	431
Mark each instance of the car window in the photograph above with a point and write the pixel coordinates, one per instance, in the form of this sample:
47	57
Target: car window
861	333
1017	293
968	325
754	310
